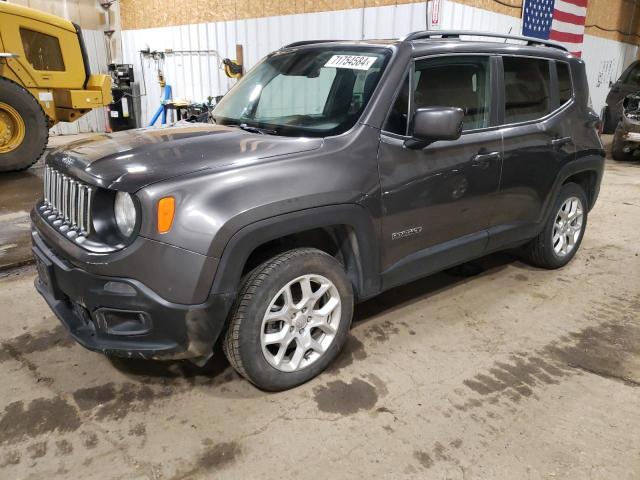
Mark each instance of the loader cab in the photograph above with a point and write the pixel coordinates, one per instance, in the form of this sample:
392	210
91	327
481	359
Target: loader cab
47	47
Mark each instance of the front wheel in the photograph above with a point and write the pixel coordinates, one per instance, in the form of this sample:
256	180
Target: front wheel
23	128
290	319
562	235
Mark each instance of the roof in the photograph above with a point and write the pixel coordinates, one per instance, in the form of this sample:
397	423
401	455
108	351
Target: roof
456	34
32	13
448	37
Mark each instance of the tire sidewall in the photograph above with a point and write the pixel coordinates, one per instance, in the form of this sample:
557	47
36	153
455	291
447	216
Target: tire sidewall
259	371
568	190
610	123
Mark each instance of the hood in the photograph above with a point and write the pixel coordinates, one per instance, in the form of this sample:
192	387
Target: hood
133	159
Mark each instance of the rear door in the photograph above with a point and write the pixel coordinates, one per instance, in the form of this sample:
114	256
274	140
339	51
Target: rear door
439	199
537	136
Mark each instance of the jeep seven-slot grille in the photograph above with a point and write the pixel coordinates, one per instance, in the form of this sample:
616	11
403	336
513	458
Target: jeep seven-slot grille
68	201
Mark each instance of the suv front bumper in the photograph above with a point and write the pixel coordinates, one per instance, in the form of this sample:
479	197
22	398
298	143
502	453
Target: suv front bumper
123	317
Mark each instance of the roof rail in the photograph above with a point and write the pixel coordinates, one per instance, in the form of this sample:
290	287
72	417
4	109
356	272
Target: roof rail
307	42
458	33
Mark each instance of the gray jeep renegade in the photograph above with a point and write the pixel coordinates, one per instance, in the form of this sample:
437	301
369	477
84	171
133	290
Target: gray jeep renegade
334	171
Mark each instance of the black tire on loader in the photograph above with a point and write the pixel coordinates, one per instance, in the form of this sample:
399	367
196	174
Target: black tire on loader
18	105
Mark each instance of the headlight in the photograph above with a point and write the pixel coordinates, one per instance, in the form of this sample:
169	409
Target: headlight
125	213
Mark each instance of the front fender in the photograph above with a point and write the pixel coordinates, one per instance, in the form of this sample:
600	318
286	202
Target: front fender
212	205
244	241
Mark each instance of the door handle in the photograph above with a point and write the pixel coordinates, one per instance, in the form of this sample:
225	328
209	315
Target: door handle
558	143
483	160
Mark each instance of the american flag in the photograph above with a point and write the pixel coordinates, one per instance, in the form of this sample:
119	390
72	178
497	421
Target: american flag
558	20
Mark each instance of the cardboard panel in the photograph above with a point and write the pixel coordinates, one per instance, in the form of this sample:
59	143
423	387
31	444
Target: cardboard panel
607	18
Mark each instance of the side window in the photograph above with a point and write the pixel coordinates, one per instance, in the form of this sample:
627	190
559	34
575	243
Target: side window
397	119
564	82
42	50
462	82
526	83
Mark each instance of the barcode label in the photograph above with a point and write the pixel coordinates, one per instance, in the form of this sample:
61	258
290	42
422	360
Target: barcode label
354	62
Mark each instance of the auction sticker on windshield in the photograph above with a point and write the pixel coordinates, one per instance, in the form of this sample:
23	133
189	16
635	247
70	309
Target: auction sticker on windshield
355	62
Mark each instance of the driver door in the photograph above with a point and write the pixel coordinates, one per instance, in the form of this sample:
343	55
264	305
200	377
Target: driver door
438	201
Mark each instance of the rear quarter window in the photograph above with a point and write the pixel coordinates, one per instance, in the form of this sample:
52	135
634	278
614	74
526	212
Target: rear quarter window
565	87
527	89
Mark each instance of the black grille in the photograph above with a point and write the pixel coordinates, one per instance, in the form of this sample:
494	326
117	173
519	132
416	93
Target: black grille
67	202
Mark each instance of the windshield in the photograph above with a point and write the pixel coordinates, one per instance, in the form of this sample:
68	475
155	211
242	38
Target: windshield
310	92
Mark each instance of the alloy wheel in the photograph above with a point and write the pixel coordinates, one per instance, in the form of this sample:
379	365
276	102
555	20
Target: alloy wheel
568	226
301	323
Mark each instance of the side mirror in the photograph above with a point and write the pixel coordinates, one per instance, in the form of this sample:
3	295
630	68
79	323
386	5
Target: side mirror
434	124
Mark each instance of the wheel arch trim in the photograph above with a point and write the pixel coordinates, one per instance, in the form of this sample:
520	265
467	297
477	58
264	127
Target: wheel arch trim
591	162
248	238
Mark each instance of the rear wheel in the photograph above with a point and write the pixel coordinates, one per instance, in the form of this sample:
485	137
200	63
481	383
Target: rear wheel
562	235
23	128
290	319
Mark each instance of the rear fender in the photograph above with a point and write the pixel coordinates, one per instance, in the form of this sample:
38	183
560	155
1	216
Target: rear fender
590	161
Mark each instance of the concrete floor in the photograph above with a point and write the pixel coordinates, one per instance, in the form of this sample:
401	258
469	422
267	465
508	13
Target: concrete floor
19	192
515	373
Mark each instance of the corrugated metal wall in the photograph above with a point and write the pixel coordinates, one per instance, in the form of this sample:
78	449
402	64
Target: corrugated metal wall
606	60
87	13
196	76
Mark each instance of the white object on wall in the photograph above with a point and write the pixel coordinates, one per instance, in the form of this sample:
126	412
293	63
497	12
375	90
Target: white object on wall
435	14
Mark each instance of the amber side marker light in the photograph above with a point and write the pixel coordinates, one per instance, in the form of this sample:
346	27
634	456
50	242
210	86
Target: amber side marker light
166	210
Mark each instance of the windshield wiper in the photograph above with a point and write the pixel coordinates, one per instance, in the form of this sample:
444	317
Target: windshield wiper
262	131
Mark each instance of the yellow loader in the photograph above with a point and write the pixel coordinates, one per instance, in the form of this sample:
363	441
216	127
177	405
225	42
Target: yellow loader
44	79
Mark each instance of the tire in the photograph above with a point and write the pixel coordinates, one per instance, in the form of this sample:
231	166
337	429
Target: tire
617	149
541	250
610	123
243	342
36	133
